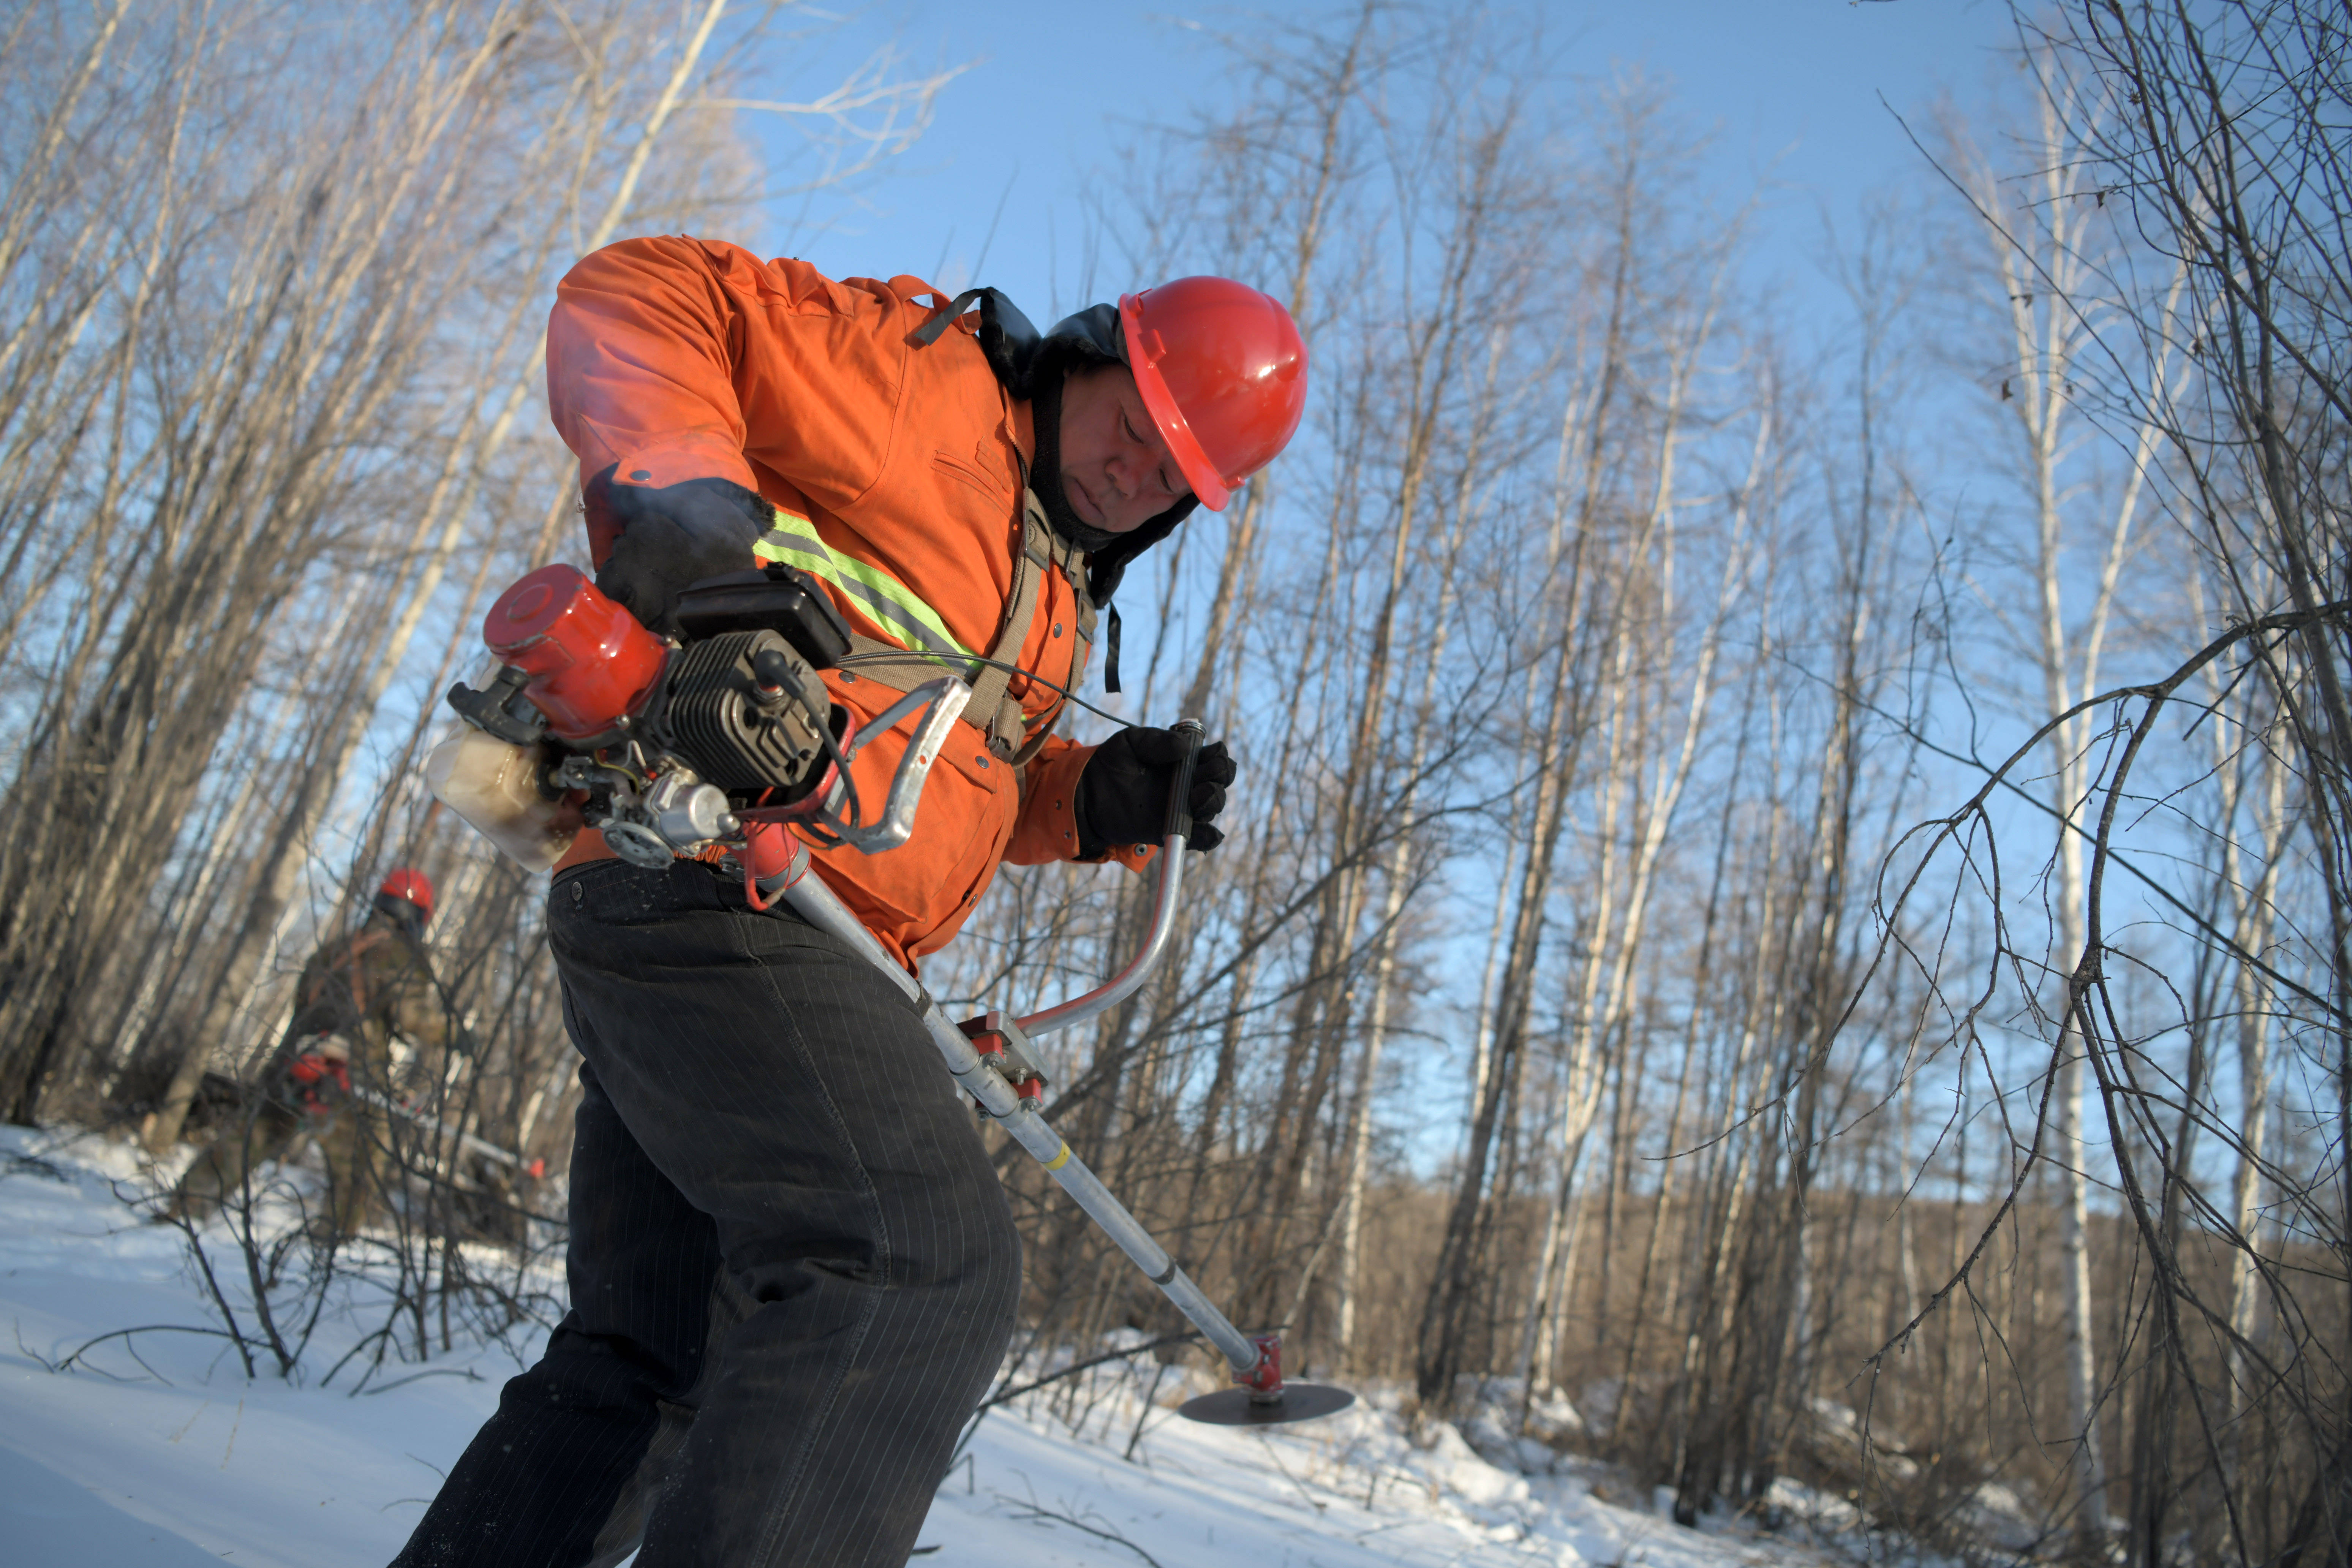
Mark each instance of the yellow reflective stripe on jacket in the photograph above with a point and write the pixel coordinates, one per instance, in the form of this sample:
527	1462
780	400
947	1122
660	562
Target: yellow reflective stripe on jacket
890	602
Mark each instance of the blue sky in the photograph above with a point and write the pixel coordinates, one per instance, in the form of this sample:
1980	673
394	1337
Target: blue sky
1799	100
1789	90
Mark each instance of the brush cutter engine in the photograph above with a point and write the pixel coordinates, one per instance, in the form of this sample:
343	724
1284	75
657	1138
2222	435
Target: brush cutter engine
698	746
739	720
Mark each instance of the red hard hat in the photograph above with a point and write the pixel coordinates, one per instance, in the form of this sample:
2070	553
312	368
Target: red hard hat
413	885
1223	371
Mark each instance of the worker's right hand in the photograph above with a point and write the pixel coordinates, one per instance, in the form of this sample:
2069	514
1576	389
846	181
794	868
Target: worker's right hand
672	537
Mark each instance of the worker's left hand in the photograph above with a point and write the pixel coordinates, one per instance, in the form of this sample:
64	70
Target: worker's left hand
1122	795
674	536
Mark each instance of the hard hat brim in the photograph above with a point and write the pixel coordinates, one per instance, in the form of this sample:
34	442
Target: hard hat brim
1143	359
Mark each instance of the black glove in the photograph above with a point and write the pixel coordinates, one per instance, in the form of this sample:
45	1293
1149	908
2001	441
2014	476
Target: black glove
1123	791
674	536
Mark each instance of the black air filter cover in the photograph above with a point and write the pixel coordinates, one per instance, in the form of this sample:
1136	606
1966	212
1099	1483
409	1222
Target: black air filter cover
779	599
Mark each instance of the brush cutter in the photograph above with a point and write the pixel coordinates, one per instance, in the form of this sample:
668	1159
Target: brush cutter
320	1071
534	1169
718	743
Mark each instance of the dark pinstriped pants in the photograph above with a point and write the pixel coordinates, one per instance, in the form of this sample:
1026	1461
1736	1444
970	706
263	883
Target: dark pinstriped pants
792	1267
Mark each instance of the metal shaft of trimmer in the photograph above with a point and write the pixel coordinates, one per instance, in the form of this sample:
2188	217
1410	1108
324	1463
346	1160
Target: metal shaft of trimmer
815	904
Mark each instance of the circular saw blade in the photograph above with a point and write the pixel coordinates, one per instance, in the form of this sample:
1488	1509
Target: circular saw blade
1299	1401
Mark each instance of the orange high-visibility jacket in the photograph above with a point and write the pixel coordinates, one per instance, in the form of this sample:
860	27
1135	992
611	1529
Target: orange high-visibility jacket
680	359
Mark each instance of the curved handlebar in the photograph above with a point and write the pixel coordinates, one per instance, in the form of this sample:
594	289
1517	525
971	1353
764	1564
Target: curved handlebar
945	696
1125	983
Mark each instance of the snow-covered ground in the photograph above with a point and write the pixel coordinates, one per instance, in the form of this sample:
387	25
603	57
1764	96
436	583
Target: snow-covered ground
156	1451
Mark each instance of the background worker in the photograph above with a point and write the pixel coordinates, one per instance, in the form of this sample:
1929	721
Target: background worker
792	1267
356	994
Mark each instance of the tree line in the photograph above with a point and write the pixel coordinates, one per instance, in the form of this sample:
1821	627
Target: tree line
1786	883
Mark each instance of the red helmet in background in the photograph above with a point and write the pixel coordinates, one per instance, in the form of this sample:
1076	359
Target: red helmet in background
1223	371
413	885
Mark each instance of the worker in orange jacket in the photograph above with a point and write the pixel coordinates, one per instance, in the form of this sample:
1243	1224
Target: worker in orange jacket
792	1269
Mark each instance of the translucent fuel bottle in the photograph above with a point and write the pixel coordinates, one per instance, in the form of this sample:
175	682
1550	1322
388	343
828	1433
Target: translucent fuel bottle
494	785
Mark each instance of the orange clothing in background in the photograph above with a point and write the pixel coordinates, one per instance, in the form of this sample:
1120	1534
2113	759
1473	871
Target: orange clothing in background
680	359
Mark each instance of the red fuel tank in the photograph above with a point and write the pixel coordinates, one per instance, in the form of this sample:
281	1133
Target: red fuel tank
590	662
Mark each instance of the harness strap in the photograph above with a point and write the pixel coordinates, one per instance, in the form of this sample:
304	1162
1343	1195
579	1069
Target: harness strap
1004	724
1030	566
930	331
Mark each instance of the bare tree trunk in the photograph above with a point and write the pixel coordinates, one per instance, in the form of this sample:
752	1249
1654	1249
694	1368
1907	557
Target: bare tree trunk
439	533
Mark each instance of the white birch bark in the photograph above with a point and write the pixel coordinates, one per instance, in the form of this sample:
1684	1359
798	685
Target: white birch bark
2044	264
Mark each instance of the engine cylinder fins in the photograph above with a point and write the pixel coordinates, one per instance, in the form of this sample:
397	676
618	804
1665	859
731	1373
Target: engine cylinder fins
1239	1407
716	714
